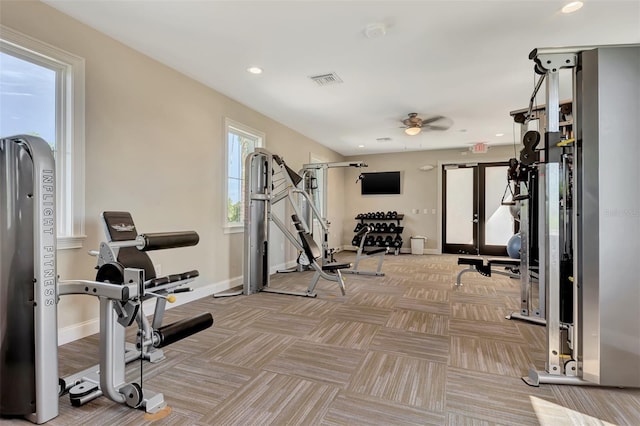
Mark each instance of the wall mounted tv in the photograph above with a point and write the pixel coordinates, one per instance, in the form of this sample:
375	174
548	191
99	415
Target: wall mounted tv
381	183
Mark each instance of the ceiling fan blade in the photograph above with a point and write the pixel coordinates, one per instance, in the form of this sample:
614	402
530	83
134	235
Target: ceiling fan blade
430	127
432	119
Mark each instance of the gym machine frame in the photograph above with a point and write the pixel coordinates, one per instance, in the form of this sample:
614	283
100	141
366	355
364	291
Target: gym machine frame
525	176
29	352
586	251
260	196
309	177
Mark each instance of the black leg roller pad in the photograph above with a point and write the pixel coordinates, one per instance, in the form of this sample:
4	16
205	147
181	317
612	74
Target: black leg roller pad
171	333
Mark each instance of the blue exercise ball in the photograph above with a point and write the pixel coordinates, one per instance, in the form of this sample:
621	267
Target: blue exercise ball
513	246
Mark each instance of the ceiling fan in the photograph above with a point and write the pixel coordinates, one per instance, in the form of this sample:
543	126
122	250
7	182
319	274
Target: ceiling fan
414	124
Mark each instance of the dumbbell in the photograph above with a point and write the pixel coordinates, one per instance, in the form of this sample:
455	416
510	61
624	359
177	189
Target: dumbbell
379	241
377	227
392	227
384	227
397	242
358	227
355	241
360	216
388	241
394	214
369	241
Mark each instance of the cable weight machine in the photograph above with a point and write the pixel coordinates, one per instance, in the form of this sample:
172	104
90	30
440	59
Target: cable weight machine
587	203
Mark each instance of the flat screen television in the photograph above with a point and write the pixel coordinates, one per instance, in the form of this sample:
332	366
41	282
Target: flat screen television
381	183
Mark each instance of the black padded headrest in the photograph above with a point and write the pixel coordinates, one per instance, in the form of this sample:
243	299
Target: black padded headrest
119	226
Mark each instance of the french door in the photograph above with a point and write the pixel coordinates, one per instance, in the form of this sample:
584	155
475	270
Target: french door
475	217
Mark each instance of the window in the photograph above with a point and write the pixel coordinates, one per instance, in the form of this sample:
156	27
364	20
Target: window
42	94
240	141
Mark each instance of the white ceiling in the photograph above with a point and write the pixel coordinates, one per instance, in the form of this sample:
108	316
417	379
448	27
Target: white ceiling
466	60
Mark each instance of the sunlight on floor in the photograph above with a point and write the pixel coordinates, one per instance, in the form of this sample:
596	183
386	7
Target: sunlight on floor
550	414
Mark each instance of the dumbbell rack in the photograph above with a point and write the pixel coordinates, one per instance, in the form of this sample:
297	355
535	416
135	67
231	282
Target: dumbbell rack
384	219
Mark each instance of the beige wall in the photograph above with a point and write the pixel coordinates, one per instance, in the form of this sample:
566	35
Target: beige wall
419	189
154	147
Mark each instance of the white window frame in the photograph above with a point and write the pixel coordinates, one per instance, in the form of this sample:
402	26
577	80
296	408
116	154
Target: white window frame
70	119
260	138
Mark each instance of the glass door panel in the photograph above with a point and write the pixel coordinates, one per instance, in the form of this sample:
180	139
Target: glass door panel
496	221
460	216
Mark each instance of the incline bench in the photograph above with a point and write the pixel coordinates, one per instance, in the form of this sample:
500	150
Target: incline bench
477	264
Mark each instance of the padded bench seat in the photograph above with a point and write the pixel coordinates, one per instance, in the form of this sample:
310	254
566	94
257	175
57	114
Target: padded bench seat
334	266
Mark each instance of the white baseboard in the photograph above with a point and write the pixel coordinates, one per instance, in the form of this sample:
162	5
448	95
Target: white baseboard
283	267
74	332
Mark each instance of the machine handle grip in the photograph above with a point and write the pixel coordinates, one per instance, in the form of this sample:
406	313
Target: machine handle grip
179	330
167	240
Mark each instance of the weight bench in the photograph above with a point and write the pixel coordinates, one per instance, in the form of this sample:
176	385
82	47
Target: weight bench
361	254
328	271
477	264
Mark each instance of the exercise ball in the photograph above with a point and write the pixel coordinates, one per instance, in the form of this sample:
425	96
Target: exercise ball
513	246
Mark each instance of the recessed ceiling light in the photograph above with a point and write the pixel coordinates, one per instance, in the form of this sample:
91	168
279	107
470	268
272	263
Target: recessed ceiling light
360	146
255	70
572	7
499	134
375	30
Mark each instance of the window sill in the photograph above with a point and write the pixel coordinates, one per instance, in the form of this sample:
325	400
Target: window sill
70	242
233	229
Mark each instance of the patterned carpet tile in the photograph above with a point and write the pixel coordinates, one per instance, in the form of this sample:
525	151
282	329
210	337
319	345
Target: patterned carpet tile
322	363
199	386
506	330
478	312
490	356
425	293
311	308
421	305
275	399
250	349
492	398
361	313
287	324
375	300
346	334
408	381
354	409
421	322
406	343
617	406
239	317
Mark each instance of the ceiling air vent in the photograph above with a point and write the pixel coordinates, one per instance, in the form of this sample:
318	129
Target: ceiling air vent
326	79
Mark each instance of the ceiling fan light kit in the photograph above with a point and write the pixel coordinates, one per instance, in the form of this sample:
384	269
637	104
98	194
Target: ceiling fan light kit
412	131
414	124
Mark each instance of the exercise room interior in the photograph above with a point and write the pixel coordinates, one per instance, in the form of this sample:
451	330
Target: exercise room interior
320	212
